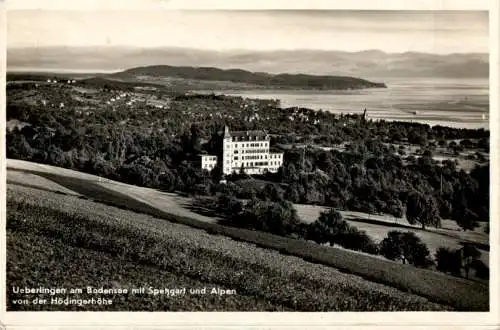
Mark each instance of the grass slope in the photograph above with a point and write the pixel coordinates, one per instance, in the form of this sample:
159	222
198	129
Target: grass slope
55	240
460	293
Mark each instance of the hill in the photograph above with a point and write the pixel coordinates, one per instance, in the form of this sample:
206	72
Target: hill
258	79
62	241
437	287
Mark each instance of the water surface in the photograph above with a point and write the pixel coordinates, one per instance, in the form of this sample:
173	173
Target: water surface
450	102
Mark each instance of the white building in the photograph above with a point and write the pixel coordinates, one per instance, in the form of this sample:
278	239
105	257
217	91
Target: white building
208	162
244	149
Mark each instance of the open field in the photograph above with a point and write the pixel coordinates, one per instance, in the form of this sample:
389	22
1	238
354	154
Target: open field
37	181
459	293
114	248
377	227
166	202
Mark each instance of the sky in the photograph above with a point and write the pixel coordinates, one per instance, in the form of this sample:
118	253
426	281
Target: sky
439	32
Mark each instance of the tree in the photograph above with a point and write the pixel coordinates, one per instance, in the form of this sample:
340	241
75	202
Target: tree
357	240
417	137
391	246
466	258
422	209
469	254
18	147
228	205
395	207
277	218
167	180
216	173
292	193
406	247
328	227
414	250
467	220
482	271
195	139
272	193
448	261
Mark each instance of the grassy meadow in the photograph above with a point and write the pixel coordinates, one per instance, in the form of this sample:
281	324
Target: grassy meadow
57	240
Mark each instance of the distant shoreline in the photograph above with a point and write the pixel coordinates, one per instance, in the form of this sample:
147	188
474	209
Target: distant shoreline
467	123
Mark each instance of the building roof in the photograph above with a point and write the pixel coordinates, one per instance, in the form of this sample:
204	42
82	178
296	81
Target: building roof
204	153
259	133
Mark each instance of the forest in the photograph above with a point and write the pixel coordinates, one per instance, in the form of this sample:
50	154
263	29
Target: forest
158	148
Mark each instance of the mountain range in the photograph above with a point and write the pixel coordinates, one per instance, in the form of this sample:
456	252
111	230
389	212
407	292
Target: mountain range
369	64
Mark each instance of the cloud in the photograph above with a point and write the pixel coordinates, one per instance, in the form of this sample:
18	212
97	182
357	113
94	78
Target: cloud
395	31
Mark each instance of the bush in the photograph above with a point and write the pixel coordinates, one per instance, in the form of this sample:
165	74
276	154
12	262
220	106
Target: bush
331	228
358	240
467	220
202	189
328	227
448	261
276	218
406	247
271	192
466	258
228	205
469	254
482	271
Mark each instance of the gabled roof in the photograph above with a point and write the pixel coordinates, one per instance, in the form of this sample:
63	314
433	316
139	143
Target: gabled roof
259	133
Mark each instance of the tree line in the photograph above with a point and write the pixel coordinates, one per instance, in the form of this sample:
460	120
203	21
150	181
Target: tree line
280	218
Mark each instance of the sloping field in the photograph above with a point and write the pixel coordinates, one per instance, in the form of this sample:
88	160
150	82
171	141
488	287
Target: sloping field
459	293
166	202
37	181
377	227
58	241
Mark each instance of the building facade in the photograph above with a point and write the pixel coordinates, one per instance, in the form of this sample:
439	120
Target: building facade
208	162
244	150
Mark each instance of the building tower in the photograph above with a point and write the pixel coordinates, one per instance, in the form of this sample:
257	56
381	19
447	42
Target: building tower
227	152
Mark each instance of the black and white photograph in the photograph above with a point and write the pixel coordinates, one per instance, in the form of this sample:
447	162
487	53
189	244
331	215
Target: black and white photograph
247	160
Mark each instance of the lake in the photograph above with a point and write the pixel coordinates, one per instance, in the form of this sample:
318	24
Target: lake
449	102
